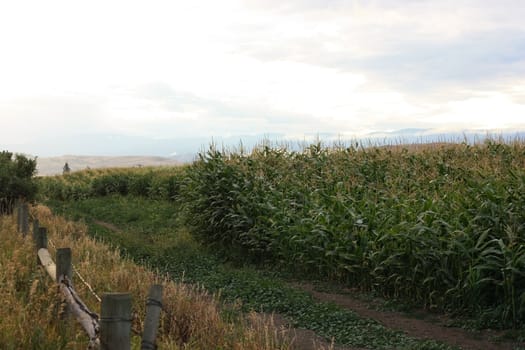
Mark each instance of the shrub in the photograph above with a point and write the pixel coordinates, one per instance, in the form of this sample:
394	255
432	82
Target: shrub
16	180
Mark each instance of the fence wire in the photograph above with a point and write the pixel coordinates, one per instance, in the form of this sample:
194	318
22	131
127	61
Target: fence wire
79	275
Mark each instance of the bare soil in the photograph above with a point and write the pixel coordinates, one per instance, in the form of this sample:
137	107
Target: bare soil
304	339
428	327
108	226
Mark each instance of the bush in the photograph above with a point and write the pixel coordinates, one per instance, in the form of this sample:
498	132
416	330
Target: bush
110	184
16	180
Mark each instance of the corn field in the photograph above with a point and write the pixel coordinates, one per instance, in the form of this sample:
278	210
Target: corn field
441	226
155	183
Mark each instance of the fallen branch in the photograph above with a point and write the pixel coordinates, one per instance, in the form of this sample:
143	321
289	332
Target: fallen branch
87	319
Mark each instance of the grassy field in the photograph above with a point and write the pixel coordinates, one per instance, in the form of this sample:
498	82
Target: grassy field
192	318
149	232
436	226
442	226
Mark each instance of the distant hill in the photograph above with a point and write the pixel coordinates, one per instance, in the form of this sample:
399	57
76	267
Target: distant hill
54	165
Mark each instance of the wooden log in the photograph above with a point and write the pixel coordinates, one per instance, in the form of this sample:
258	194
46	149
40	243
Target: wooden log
115	321
87	319
151	324
48	263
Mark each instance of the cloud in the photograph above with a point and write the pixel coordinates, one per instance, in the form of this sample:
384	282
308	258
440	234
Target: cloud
409	45
28	117
174	69
483	60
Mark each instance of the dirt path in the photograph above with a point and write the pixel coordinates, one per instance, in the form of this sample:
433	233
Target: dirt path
304	339
416	328
301	339
107	225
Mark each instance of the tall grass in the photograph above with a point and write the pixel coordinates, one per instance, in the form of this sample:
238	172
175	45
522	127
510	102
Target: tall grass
161	183
191	318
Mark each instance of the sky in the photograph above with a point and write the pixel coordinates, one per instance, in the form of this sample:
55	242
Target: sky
163	77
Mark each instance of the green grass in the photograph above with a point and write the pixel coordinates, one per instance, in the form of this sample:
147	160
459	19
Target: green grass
438	227
151	233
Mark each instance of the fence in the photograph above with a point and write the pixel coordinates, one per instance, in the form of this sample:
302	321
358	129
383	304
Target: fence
112	329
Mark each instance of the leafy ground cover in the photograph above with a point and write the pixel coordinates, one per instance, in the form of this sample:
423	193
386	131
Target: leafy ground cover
149	231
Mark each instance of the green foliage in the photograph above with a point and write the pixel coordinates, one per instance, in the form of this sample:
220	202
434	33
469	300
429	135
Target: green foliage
154	183
16	180
443	227
167	247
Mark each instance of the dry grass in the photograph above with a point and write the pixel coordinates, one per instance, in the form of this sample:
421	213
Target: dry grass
31	306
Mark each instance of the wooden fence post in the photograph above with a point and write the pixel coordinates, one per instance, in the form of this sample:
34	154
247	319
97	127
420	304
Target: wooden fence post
24	220
64	270
115	321
151	324
64	264
41	240
36	225
18	207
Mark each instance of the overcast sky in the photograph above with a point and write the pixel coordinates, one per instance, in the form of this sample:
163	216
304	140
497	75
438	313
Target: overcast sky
93	76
